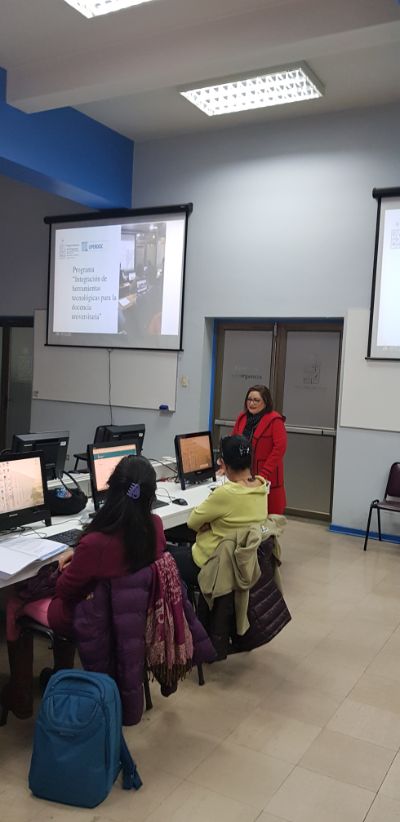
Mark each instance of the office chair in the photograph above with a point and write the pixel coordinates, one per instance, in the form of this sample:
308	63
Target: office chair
392	504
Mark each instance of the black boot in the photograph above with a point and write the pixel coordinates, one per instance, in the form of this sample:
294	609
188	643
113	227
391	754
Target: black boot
17	694
63	653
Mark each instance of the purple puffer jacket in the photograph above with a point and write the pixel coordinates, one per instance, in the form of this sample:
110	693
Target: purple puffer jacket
110	629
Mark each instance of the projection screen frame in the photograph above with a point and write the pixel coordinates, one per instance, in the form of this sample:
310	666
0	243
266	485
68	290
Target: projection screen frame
378	194
181	208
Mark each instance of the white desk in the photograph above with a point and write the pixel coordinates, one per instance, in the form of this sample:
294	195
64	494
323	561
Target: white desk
171	515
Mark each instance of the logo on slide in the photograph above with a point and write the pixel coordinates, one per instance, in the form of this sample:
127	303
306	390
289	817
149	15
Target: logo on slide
85	246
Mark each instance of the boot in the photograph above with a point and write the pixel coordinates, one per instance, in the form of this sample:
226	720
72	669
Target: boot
17	694
63	654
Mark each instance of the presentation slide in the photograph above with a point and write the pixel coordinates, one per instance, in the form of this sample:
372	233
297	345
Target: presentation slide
117	283
385	330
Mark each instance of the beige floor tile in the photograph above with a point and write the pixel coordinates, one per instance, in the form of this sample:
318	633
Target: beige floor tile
171	746
367	722
384	810
16	802
391	785
303	703
387	662
311	797
325	674
381	608
379	691
267	817
276	735
361	633
191	802
347	759
244	775
121	806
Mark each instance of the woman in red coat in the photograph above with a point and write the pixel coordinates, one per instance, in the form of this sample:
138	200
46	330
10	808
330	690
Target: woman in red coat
265	429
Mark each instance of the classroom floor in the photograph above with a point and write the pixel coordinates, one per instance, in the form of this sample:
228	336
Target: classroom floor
306	729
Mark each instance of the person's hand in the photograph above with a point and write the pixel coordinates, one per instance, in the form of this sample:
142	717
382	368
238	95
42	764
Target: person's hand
205	527
65	559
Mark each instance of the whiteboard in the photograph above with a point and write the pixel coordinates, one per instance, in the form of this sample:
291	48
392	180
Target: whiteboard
370	389
139	379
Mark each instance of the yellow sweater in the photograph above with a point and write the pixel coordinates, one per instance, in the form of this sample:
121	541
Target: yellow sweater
229	507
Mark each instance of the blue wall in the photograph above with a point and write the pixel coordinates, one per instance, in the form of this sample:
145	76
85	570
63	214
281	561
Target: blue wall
66	153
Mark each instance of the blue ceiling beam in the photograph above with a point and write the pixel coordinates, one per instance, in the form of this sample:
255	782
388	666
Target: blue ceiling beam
66	153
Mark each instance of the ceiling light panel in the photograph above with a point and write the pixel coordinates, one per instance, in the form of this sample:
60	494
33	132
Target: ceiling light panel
292	84
95	8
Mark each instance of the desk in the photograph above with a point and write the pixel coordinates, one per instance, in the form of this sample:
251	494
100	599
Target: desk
171	515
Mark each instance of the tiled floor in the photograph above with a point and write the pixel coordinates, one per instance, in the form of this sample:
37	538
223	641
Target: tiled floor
306	729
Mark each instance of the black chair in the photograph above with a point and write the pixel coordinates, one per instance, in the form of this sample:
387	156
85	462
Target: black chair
390	502
61	648
82	457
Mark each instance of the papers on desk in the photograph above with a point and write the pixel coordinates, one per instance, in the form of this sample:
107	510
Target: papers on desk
124	302
16	553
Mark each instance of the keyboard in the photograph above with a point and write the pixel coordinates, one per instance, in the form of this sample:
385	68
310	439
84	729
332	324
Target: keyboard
158	503
70	537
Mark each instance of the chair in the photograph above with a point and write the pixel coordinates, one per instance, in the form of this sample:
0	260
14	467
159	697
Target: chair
82	457
63	651
392	504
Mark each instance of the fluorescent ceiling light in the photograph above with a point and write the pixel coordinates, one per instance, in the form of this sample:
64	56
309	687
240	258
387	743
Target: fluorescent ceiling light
289	84
94	8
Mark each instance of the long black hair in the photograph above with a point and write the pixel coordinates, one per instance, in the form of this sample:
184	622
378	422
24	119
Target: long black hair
127	509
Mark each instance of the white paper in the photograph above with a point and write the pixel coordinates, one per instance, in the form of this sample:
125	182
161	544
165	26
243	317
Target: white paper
19	552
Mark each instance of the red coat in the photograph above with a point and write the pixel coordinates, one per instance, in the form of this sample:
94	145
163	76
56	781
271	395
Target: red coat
269	446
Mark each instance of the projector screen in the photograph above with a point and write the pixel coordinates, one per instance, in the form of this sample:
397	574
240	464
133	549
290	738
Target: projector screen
117	281
384	330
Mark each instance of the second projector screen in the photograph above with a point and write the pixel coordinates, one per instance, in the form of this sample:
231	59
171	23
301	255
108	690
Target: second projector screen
117	283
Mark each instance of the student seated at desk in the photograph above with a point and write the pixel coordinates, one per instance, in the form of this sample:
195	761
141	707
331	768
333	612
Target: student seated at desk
239	503
111	596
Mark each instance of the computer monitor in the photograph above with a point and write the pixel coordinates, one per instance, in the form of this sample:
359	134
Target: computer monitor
22	490
121	433
194	458
52	444
102	461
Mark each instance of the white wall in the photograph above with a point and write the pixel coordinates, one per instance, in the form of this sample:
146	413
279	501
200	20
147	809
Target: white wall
283	226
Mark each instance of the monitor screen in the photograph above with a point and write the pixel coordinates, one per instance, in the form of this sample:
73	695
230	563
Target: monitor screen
52	444
102	461
121	433
194	457
117	281
22	490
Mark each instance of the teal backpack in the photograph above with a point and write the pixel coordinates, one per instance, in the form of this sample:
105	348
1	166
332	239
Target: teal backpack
78	747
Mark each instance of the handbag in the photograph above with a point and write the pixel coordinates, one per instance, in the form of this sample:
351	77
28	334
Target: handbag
64	501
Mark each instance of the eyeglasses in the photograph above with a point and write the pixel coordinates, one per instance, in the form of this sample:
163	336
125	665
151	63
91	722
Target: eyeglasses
254	399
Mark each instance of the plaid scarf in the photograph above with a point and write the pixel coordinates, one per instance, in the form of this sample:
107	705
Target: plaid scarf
169	644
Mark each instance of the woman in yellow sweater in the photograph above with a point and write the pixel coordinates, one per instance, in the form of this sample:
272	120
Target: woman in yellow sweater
238	503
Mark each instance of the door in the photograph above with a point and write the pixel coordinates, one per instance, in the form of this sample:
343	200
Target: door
16	361
310	393
299	361
244	357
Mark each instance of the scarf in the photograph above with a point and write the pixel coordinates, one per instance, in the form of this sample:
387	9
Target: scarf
252	421
169	644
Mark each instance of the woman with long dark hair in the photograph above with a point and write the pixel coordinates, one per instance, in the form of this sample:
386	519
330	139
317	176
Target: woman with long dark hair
123	537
